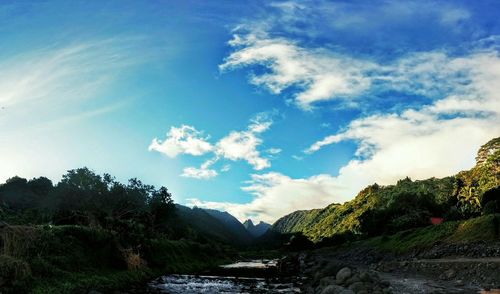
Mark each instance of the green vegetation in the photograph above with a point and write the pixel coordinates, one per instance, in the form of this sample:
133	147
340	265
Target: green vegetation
90	232
379	210
475	229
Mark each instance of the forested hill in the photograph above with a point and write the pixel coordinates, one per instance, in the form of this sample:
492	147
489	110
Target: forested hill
92	231
379	209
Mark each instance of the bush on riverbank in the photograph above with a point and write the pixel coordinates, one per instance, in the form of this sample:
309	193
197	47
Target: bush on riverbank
77	259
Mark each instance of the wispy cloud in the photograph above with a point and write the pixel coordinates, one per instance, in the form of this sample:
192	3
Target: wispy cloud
50	82
321	75
73	71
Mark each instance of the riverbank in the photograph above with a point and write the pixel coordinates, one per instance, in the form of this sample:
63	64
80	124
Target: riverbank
454	257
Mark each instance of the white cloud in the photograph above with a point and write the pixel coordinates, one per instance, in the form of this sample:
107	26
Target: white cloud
319	74
199	173
204	172
277	194
243	146
183	140
237	145
273	151
47	83
316	74
438	139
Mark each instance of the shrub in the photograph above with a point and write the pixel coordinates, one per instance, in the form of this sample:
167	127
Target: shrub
12	270
492	207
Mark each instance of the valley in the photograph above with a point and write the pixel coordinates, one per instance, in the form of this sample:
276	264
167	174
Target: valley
385	240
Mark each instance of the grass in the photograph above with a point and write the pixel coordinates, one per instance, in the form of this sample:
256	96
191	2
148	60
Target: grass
476	229
83	282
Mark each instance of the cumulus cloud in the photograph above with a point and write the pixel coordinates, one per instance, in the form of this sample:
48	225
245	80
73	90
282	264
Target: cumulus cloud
182	140
237	145
243	146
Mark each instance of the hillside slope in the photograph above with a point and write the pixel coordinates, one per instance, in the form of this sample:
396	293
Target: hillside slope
214	224
409	204
232	224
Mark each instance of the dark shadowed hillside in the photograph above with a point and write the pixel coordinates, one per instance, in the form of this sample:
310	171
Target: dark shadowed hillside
233	225
409	204
214	224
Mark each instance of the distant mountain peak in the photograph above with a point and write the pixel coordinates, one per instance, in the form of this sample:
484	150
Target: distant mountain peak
248	224
256	230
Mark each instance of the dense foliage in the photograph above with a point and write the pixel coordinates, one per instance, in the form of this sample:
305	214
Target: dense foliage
88	224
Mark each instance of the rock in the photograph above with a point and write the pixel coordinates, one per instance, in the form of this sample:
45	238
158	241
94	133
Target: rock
343	274
449	274
365	277
358	287
325	281
332	289
347	291
352	280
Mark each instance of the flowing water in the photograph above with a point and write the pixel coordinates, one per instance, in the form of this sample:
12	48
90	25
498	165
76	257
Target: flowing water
231	281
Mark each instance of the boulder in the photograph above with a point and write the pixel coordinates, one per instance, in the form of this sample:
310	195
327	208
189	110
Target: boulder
358	287
353	279
343	274
332	289
365	277
325	281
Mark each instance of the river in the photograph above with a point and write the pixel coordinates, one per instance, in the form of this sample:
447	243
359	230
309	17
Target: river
255	276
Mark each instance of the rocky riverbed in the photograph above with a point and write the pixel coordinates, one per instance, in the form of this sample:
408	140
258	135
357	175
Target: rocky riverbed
458	268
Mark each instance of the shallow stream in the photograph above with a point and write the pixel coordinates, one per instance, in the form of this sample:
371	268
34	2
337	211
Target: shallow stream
231	281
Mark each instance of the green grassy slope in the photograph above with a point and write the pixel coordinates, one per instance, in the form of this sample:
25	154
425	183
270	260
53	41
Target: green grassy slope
476	229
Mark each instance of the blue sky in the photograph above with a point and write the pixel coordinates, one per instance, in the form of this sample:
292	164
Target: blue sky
255	107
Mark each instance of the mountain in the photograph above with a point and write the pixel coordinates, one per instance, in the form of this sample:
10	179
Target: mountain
256	230
232	225
214	224
409	204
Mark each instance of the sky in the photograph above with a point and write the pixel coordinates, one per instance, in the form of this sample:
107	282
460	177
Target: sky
259	108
